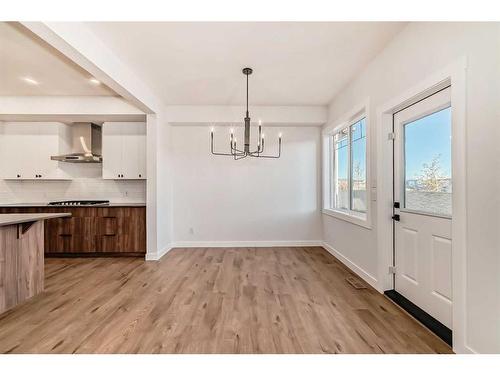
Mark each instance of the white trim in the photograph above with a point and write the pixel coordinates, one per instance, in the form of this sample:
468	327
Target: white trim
247	243
353	267
358	111
157	256
349	216
454	74
469	350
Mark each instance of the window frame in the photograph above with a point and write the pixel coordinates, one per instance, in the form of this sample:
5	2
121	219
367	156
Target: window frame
356	217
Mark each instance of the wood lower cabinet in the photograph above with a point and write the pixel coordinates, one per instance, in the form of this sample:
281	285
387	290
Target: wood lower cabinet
93	231
122	229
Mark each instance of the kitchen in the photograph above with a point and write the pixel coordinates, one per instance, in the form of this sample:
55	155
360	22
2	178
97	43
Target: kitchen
86	180
95	172
73	166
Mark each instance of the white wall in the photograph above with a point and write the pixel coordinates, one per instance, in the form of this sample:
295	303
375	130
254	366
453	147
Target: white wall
419	51
92	187
250	200
282	115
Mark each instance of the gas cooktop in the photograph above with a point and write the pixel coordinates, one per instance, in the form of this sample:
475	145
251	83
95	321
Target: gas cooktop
79	203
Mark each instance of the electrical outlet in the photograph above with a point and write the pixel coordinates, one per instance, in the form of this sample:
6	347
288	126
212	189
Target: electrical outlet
191	231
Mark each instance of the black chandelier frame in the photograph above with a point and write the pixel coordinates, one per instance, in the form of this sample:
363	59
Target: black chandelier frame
238	154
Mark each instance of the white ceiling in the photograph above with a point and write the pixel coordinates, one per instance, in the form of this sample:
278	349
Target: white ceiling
23	55
200	63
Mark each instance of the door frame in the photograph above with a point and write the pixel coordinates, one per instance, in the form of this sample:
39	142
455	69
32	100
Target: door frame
454	75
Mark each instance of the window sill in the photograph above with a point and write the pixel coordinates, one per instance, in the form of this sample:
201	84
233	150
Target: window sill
362	221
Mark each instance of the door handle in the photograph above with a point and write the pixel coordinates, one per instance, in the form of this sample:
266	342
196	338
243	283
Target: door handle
396	217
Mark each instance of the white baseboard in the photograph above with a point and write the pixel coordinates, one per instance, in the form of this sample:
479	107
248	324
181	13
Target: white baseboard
157	256
247	243
353	267
468	350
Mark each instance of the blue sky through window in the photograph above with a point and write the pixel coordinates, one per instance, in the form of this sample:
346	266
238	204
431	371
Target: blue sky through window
426	138
358	141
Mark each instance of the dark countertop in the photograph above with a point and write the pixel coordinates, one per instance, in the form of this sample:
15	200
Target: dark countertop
45	204
11	219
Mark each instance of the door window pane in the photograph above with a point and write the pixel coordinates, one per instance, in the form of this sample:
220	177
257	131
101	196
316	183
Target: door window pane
427	149
341	167
358	166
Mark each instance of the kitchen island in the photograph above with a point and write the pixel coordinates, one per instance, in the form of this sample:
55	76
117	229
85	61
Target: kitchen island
22	256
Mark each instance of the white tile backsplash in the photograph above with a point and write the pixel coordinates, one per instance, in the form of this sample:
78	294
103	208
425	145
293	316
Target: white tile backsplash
123	191
86	183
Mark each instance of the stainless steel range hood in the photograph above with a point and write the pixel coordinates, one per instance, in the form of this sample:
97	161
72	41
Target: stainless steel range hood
86	144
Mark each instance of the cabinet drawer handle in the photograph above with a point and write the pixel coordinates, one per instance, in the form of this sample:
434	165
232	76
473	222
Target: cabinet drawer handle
110	235
65	235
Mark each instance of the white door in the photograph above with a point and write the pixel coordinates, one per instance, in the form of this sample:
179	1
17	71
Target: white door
422	187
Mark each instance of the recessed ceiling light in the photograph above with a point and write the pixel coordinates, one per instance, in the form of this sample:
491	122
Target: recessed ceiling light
94	81
31	81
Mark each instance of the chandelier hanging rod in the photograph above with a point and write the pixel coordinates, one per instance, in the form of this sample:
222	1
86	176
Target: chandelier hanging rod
235	152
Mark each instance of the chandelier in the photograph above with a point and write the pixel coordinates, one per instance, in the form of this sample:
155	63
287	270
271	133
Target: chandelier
237	153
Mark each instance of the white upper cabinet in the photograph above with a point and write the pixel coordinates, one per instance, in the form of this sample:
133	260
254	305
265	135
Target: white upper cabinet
124	150
26	148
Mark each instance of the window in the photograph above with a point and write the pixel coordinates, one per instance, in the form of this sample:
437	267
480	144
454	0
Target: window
346	175
427	163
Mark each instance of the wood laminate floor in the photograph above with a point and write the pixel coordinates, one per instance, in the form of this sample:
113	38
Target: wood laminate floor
233	300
